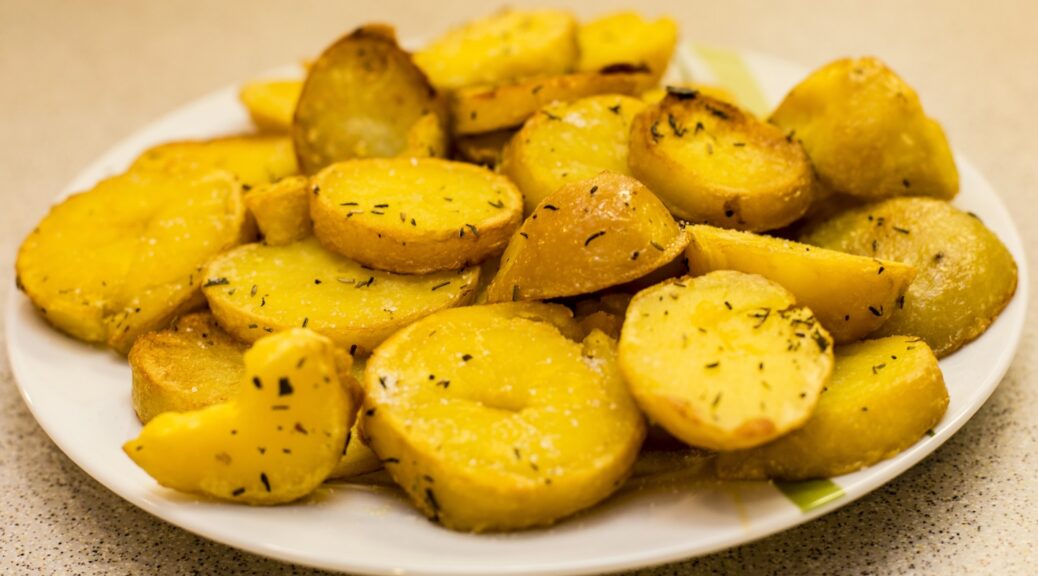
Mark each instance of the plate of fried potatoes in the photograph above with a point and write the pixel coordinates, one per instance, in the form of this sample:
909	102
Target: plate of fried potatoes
537	296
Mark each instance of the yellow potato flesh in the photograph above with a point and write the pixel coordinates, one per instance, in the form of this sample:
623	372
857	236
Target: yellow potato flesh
254	160
271	103
282	210
625	37
426	138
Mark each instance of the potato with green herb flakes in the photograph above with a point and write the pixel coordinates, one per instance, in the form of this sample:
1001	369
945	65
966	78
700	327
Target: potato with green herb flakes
489	421
414	215
627	38
275	441
724	361
282	210
965	275
843	290
587	236
360	100
271	103
657	94
255	289
712	162
254	160
867	134
884	395
567	142
504	46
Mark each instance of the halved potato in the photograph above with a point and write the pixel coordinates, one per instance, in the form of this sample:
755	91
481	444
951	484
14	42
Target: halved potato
724	361
966	276
414	215
282	210
255	289
271	103
842	290
487	108
567	142
426	138
486	149
587	236
711	162
866	132
626	38
125	257
884	395
360	100
275	441
504	46
254	160
490	421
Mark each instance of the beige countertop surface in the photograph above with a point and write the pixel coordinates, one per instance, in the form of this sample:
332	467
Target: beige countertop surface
76	77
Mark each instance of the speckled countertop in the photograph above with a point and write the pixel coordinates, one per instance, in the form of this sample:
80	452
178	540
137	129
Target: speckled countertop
79	76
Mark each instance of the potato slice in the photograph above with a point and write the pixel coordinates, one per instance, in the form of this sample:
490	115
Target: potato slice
282	210
124	258
255	289
567	142
866	132
360	100
965	278
883	396
274	442
843	290
486	149
414	215
271	103
503	46
714	163
587	236
254	160
487	108
656	95
626	38
490	421
426	138
724	361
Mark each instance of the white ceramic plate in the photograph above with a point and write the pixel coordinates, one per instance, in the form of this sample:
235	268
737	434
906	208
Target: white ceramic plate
81	397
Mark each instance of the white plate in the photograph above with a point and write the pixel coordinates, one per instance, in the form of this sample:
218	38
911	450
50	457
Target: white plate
81	397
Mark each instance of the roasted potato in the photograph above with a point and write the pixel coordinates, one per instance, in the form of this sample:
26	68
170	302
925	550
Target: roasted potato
275	441
254	160
627	38
966	276
490	421
486	149
567	142
504	46
426	138
271	103
255	289
724	361
844	291
414	215
883	396
866	132
487	108
282	210
711	162
657	94
360	100
124	258
587	236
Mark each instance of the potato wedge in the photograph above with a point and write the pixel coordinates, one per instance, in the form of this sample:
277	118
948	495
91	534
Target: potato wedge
841	289
587	236
255	289
271	103
124	258
254	160
487	108
414	215
883	397
567	142
627	38
724	361
275	441
282	210
965	275
426	138
486	149
490	421
867	134
711	162
360	100
504	46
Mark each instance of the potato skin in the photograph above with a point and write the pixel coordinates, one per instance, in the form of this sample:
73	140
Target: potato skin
711	162
866	133
271	103
626	38
282	210
883	396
